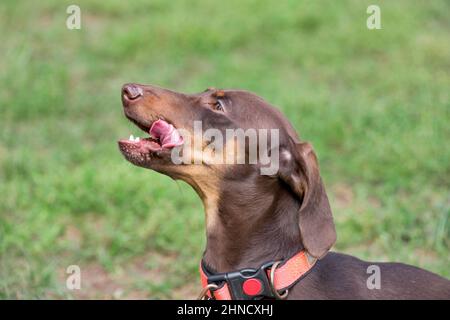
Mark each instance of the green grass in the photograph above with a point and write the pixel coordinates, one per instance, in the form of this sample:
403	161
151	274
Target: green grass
375	105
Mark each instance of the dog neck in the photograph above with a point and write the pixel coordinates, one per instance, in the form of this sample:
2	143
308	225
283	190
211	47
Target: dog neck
249	225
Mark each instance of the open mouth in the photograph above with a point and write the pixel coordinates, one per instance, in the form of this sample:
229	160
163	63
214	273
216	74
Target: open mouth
163	136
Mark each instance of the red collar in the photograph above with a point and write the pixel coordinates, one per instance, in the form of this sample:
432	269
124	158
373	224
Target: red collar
271	280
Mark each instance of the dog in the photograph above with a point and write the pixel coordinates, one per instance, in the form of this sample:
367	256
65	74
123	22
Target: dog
268	235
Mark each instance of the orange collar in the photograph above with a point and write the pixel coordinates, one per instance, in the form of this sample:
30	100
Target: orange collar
271	280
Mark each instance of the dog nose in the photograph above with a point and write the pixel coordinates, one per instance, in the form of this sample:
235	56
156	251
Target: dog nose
132	91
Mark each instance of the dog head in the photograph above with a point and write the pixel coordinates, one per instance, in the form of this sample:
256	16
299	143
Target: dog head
217	137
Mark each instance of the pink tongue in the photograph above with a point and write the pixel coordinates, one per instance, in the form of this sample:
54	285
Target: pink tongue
168	136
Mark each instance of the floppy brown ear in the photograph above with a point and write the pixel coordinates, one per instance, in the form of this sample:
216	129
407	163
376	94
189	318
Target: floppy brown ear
301	172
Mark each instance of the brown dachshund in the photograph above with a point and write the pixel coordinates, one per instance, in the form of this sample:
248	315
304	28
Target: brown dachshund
256	218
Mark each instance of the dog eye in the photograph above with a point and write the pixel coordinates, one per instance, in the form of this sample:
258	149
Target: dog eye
219	105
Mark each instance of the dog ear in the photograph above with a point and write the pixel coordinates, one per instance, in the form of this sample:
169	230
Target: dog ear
299	169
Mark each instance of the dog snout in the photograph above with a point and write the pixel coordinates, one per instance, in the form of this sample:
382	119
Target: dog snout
131	91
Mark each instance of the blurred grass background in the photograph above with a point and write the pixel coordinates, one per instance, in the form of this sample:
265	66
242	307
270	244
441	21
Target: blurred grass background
375	105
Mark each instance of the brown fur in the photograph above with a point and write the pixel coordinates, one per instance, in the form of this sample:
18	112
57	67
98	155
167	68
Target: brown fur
251	218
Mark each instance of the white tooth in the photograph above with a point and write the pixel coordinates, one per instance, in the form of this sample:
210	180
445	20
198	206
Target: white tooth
137	139
131	138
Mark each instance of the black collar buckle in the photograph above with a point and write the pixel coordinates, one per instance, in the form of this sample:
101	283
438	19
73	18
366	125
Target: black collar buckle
246	284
